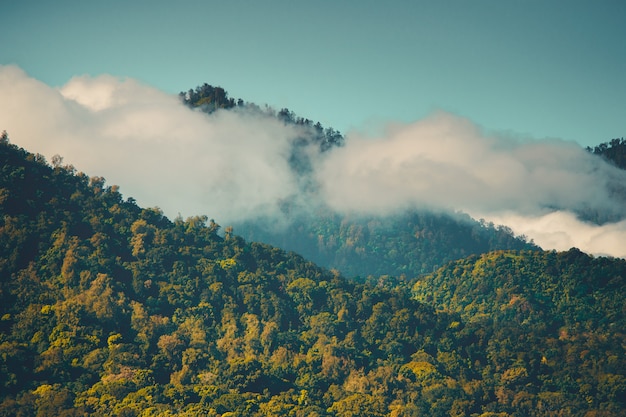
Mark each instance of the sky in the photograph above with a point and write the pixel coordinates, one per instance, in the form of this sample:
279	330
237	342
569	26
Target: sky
479	106
536	68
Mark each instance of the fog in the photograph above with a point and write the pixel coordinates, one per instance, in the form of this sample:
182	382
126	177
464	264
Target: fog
234	165
447	162
228	165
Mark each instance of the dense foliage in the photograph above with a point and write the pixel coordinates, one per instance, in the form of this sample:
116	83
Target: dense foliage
410	244
109	309
209	99
545	324
613	151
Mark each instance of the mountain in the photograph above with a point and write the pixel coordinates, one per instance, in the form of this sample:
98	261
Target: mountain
208	99
410	243
107	308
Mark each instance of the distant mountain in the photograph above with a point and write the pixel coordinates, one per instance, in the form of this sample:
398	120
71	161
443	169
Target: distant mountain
614	152
209	99
110	309
409	244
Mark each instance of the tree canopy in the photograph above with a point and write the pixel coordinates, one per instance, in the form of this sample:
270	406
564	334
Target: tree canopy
613	151
111	309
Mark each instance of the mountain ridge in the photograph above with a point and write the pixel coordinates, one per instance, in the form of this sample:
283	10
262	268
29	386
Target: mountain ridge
357	245
108	308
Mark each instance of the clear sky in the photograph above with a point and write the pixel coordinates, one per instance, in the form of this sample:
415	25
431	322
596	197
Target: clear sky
549	68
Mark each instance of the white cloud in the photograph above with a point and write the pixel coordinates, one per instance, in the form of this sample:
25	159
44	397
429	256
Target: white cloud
562	230
228	165
447	162
234	166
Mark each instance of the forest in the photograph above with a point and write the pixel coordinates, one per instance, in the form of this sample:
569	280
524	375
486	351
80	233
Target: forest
409	243
209	99
613	151
108	308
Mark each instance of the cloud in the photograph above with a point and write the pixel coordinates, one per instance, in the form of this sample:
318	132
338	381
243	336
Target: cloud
235	166
229	165
447	162
562	230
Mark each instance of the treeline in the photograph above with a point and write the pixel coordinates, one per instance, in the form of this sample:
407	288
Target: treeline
110	309
613	151
209	99
409	244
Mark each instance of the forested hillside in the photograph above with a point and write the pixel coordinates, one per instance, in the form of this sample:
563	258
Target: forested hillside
209	99
409	243
557	319
107	308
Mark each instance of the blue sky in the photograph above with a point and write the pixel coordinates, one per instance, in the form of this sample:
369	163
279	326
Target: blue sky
531	68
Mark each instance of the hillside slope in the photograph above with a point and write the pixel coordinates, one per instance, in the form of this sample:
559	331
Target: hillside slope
109	309
409	243
558	318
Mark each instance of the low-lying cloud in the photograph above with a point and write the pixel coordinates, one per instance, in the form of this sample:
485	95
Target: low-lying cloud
562	230
234	165
447	162
229	165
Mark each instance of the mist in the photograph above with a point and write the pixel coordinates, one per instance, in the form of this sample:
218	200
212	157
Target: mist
228	165
445	161
234	166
